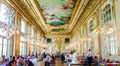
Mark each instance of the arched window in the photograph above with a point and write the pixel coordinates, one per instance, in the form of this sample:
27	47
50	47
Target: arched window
6	17
32	41
107	13
23	46
91	26
83	31
109	39
23	26
4	13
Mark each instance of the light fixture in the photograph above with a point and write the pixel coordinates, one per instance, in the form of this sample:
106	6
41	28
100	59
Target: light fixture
85	39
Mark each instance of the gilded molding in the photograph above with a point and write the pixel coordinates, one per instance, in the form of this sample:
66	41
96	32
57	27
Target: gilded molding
115	22
90	8
32	15
25	12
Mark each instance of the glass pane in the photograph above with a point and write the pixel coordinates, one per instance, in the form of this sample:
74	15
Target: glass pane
4	17
4	50
32	31
2	32
0	40
21	39
20	48
23	27
0	50
5	42
32	48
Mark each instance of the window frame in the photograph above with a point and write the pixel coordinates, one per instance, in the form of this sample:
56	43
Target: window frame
8	40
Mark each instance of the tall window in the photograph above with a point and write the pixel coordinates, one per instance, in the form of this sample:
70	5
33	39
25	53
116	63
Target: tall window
111	44
32	41
5	20
107	13
32	32
23	26
32	48
23	46
82	31
3	46
91	26
4	13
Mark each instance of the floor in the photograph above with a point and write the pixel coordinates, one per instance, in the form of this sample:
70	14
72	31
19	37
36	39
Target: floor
59	63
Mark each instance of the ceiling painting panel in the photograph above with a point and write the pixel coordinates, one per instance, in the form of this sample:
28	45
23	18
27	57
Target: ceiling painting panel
57	12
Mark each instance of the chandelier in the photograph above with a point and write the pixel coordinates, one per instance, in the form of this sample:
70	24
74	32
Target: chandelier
8	25
103	29
85	39
9	29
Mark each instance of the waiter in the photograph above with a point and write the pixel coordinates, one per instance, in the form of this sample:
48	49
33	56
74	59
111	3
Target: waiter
89	55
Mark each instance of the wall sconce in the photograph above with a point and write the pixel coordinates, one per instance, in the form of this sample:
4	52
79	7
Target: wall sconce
85	39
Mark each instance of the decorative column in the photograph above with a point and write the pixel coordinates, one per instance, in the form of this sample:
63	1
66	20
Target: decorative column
28	47
116	14
87	32
16	45
99	35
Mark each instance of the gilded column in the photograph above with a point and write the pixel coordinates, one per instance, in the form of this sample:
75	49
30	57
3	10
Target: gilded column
17	35
99	38
28	48
116	14
86	50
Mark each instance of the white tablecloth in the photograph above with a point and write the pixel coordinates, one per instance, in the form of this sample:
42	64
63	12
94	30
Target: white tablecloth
34	61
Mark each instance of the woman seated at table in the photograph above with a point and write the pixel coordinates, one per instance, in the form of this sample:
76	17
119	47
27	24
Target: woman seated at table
12	63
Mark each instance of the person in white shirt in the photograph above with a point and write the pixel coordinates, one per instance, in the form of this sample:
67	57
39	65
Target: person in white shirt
90	55
47	60
74	58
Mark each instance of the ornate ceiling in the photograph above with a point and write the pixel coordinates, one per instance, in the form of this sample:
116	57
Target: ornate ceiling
60	17
57	12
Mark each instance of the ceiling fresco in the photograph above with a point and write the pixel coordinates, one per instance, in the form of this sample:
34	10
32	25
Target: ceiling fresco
57	12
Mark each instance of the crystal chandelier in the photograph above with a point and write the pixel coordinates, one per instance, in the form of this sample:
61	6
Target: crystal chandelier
8	29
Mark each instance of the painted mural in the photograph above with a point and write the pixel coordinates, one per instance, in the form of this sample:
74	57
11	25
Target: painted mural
57	12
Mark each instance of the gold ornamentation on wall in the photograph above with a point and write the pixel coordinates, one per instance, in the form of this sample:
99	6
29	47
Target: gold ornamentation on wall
58	43
118	51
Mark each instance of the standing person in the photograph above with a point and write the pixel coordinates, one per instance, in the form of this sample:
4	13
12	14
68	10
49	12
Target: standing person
74	58
47	60
53	58
62	57
89	55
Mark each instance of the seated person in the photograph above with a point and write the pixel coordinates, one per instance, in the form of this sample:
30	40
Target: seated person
85	62
96	62
20	61
3	61
29	63
12	63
